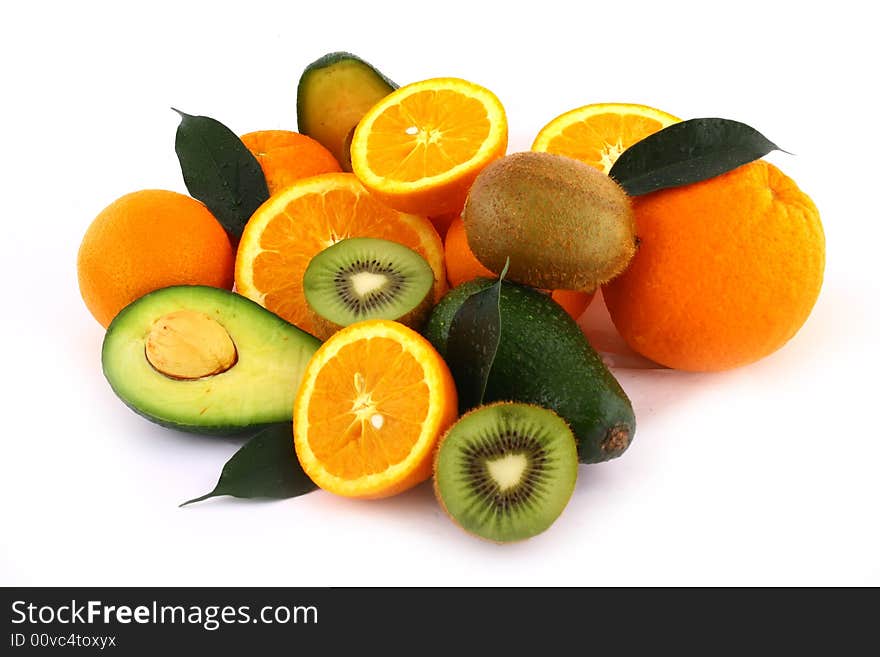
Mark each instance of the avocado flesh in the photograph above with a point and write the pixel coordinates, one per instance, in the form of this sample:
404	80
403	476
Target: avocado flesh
543	358
333	94
258	389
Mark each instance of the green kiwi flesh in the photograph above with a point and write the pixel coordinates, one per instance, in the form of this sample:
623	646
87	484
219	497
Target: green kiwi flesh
505	471
364	278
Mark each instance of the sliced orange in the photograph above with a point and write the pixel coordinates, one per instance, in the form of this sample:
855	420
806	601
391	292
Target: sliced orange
294	225
420	148
598	134
374	401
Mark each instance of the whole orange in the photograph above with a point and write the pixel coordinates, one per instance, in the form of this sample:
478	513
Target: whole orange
287	156
726	272
147	240
461	263
574	302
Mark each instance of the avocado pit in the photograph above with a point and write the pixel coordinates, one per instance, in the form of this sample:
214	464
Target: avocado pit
186	344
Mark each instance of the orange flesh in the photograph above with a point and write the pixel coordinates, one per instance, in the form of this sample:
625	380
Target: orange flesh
361	421
309	224
601	140
426	135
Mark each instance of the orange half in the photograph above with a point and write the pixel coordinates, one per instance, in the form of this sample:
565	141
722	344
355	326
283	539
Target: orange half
420	148
597	134
371	407
303	219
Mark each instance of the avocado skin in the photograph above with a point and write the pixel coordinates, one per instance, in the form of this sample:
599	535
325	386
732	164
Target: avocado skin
219	431
543	358
374	85
236	312
332	58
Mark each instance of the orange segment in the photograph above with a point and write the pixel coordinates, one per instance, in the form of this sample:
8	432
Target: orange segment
306	217
373	402
597	134
420	148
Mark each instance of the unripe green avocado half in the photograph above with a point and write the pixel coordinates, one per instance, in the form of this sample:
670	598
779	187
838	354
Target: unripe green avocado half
205	360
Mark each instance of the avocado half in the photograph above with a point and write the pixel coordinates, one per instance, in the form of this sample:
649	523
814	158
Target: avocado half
156	349
333	94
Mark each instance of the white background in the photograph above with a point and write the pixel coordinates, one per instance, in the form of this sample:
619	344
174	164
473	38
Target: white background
764	475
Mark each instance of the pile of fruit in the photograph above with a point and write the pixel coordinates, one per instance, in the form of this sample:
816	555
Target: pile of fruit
365	353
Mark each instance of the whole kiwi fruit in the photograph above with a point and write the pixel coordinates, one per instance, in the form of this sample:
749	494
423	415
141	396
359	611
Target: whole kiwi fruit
562	223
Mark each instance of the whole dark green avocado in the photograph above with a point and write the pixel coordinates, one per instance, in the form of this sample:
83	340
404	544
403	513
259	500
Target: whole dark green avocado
543	358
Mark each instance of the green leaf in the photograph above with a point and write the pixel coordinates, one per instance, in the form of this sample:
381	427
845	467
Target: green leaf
474	334
266	466
688	152
220	171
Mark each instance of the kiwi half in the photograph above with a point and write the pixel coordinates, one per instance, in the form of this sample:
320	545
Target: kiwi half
364	278
505	471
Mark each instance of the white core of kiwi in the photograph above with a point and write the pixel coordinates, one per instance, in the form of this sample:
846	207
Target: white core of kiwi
363	283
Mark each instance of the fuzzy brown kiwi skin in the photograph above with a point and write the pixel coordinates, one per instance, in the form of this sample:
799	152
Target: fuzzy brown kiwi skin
323	328
563	223
436	461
